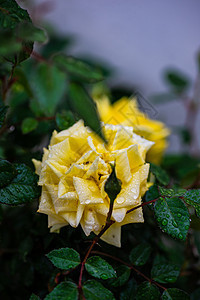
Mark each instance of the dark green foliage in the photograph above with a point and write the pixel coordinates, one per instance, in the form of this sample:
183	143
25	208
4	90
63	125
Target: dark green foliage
85	107
122	276
174	294
22	188
178	81
28	125
64	291
64	258
160	174
77	69
99	268
3	111
165	272
7	173
94	290
48	85
140	254
129	290
192	197
147	290
172	216
11	16
65	120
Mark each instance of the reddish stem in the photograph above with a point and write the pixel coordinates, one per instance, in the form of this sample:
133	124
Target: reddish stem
131	267
141	205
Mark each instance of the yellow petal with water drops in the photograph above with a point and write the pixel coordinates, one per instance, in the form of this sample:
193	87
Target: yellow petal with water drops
97	168
87	190
45	204
73	218
129	194
89	221
135	216
119	214
55	219
62	153
54	139
57	168
76	170
123	138
113	235
134	156
143	144
65	205
37	165
123	169
65	185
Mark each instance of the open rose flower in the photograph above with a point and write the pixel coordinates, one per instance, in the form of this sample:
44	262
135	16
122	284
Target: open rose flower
126	112
73	173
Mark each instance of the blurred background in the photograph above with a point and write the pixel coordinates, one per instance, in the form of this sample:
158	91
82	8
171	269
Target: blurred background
138	40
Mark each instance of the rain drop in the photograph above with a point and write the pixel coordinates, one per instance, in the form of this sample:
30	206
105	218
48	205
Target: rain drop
120	200
164	222
179	215
180	236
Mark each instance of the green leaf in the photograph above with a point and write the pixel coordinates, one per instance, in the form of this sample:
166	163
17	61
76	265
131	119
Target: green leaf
94	290
78	69
66	290
34	297
48	85
172	216
177	80
7	172
11	16
9	44
65	120
192	197
28	32
129	290
123	274
99	268
165	272
174	294
28	125
146	290
85	107
140	254
160	174
112	185
3	111
64	258
22	189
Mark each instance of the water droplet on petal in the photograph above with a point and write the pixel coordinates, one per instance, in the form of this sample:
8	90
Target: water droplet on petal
120	200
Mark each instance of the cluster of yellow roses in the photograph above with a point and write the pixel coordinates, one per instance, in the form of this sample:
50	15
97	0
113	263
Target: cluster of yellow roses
75	167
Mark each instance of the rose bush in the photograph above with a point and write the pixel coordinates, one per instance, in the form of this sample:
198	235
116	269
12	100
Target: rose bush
73	173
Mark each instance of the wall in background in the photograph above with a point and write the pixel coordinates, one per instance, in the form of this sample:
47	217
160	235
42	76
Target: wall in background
138	38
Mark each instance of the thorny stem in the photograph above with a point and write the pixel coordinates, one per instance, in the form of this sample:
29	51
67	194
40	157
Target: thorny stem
131	267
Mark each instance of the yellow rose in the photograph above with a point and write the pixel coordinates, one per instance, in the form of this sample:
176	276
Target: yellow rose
125	111
73	173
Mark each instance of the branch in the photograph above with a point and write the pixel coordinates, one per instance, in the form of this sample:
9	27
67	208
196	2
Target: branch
131	267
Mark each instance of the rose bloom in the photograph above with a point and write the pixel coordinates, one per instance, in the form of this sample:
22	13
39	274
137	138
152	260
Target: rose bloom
73	173
126	112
